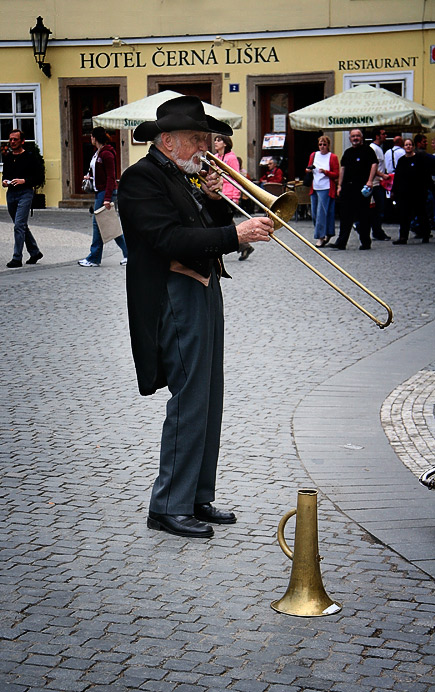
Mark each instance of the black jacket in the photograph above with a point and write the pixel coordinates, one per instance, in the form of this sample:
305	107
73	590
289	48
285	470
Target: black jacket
412	178
24	166
163	221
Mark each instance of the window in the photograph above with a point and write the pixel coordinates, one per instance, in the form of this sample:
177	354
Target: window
20	106
400	83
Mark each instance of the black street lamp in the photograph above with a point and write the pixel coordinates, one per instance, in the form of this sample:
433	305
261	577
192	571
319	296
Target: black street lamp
40	35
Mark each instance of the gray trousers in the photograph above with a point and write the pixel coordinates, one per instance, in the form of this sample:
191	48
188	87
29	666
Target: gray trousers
191	342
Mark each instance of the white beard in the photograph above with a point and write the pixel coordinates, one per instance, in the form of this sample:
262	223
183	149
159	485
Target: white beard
188	166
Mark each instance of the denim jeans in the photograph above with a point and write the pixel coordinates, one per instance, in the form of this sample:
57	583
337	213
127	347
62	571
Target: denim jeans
96	251
323	213
19	203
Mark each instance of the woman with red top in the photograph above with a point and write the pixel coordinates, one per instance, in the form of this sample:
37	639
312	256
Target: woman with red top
103	167
223	146
325	167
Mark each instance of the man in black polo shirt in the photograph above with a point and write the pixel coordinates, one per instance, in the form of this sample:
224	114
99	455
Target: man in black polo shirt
20	175
358	169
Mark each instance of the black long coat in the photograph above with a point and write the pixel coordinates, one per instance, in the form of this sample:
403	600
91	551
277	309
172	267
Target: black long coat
162	221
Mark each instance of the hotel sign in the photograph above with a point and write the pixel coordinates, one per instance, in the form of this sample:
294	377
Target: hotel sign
245	55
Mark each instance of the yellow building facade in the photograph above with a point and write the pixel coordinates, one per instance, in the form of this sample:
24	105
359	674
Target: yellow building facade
256	59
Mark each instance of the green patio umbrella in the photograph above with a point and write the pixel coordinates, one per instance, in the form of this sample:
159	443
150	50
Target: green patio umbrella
363	106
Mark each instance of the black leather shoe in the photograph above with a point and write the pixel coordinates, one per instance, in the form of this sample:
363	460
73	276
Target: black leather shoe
334	246
382	237
180	525
365	247
34	258
399	241
14	264
206	512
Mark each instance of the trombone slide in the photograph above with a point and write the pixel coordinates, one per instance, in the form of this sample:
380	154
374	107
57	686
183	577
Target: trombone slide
286	204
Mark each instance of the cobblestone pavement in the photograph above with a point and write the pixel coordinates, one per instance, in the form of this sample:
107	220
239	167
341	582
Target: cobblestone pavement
408	420
93	600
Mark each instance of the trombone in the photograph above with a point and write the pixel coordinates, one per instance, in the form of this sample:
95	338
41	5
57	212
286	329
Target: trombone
279	208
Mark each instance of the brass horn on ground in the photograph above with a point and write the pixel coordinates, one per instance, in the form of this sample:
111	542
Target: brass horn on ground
280	210
305	595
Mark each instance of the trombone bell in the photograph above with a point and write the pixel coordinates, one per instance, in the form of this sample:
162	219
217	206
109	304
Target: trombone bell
305	595
283	206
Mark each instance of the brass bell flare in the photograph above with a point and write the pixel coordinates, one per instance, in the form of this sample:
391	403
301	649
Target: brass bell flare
305	595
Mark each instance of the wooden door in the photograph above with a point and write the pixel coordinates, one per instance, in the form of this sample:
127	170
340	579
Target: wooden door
85	103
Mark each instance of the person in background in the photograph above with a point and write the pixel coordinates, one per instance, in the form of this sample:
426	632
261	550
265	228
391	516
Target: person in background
325	167
411	183
377	208
223	147
273	173
358	169
420	144
392	155
103	168
20	177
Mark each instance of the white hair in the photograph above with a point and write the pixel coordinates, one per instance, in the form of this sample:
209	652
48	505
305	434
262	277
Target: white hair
157	141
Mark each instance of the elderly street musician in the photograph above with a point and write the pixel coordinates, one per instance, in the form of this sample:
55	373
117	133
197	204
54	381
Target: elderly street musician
177	228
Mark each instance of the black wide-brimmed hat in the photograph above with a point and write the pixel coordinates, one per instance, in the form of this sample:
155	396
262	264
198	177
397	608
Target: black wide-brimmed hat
182	113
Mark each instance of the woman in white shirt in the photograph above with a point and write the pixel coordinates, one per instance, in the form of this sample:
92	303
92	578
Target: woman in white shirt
325	167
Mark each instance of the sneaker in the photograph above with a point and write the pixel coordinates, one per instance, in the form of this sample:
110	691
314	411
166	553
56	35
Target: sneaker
123	262
86	263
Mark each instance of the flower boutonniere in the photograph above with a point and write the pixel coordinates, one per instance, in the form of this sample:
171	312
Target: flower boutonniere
194	180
